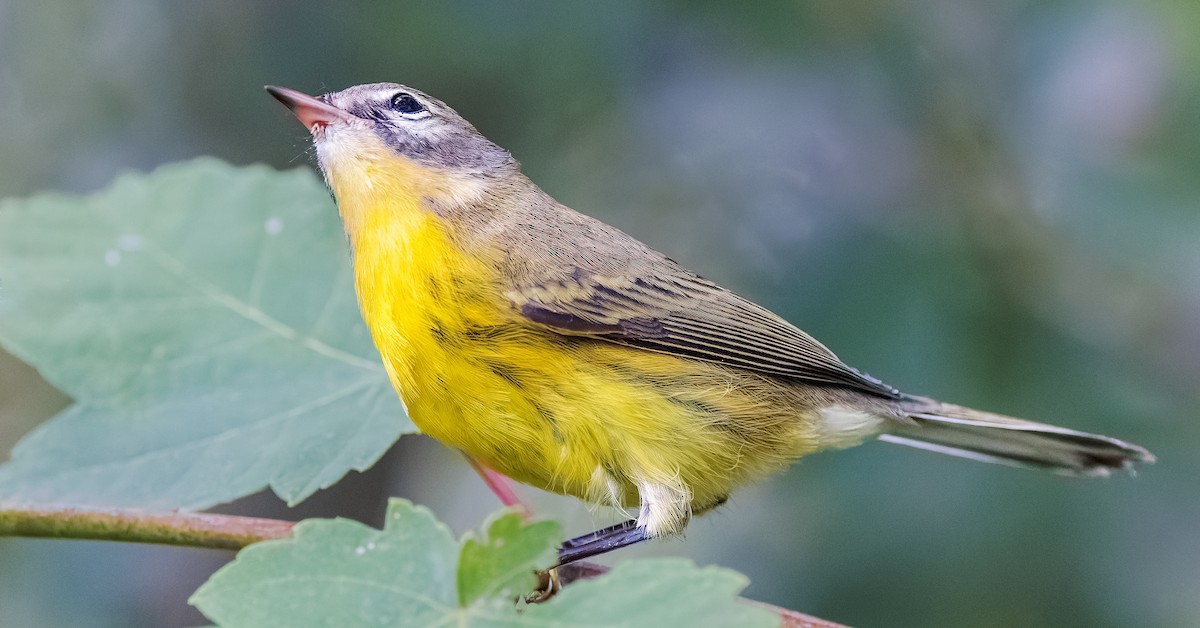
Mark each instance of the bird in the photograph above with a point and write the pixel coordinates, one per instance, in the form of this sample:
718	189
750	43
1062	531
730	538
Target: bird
568	355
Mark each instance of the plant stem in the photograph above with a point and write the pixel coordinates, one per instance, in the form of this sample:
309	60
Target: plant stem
502	488
132	526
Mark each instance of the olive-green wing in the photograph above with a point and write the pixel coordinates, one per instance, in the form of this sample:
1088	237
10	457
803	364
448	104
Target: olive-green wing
688	316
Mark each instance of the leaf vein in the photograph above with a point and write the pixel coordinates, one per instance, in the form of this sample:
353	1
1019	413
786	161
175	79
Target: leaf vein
346	443
219	436
254	314
342	579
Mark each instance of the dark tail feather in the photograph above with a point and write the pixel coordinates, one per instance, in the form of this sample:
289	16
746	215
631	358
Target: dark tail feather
988	437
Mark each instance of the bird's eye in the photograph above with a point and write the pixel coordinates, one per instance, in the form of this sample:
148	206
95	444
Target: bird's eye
405	103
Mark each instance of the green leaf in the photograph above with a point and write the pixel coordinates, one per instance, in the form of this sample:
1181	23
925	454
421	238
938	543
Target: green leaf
502	562
654	594
203	319
342	573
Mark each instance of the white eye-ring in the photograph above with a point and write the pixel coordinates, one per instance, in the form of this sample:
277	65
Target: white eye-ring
408	106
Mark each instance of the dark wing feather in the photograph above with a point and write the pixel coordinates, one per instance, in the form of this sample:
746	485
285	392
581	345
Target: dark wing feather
688	316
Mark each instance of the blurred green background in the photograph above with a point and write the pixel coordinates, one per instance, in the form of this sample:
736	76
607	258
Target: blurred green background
995	203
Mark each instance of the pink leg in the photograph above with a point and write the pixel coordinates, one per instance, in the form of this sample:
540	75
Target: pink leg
501	486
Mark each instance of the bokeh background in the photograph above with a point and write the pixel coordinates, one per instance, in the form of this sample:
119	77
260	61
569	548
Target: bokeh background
997	203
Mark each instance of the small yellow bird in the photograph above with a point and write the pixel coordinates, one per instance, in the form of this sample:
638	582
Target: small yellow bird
568	355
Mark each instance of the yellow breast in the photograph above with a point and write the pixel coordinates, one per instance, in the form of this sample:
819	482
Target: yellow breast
580	417
435	313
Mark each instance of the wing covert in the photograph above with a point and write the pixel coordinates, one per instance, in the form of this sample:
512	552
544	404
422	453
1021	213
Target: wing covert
688	316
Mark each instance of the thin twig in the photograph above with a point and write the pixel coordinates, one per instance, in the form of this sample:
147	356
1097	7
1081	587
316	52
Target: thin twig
502	488
131	526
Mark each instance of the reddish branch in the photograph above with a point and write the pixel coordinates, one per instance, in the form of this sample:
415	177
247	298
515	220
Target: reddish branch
502	488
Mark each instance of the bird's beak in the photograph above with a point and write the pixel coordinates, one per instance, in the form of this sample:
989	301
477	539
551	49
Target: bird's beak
314	113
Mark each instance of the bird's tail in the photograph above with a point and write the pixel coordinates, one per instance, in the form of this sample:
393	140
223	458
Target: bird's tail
988	437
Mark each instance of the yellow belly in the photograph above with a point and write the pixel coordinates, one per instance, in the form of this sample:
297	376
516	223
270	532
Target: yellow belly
576	416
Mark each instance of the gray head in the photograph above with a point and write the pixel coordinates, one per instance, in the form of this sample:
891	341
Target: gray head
408	123
386	147
421	127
